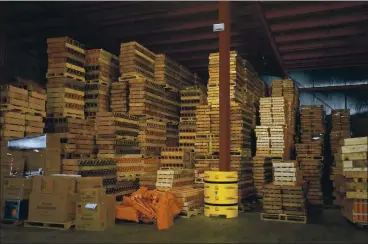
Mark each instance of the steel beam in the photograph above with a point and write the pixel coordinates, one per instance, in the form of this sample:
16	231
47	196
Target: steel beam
311	8
328	65
320	34
224	86
324	53
271	40
334	88
327	20
321	44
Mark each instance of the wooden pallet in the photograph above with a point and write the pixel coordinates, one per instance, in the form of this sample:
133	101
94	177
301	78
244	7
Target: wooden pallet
284	218
12	222
50	225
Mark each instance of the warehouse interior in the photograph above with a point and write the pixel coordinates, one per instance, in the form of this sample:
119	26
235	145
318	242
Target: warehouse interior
320	46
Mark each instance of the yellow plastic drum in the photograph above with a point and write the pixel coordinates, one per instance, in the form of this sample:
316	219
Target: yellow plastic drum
218	176
221	193
218	211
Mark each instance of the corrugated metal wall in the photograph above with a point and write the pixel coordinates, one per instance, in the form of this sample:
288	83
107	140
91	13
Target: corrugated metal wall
329	77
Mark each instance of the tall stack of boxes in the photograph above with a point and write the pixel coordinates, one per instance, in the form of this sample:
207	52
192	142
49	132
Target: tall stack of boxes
340	119
14	105
353	155
310	151
191	97
286	198
66	78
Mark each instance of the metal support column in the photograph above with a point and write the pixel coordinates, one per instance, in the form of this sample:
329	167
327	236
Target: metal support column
224	86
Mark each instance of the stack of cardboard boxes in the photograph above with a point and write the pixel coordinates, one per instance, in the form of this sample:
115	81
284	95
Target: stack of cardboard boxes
69	201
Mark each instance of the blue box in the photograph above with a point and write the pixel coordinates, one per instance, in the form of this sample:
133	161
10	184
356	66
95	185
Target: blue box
16	209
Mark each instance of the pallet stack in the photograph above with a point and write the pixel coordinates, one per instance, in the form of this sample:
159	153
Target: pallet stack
102	67
96	99
174	179
286	172
191	97
310	151
105	168
177	157
285	203
76	136
152	136
191	200
274	136
66	58
286	198
340	119
172	101
262	173
119	96
135	59
117	133
14	106
168	72
353	154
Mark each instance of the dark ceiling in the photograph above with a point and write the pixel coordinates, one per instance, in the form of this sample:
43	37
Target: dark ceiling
274	36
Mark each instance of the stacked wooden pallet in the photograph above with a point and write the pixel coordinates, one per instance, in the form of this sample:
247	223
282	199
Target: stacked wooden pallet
64	99
285	203
96	99
172	103
174	179
274	136
287	89
149	99
17	119
102	67
177	157
168	72
116	134
152	136
354	153
191	200
310	150
129	166
340	119
286	172
66	58
191	97
262	173
76	136
135	59
202	139
105	168
119	96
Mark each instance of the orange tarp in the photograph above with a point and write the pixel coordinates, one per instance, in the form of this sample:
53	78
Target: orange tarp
150	204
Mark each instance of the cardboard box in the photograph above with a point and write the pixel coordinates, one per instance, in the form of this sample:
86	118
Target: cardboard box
53	141
96	216
16	188
89	182
93	217
54	184
56	208
92	195
45	159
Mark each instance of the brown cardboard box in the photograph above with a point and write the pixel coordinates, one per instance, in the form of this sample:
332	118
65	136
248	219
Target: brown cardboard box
91	217
111	204
89	182
46	159
96	216
16	188
53	141
56	208
92	195
54	184
13	163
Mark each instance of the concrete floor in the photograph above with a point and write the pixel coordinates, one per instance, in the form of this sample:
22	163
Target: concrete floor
328	227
